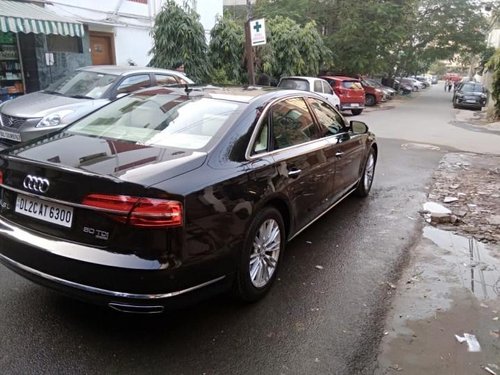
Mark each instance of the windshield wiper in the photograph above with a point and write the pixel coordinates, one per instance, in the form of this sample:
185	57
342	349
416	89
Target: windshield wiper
53	92
81	97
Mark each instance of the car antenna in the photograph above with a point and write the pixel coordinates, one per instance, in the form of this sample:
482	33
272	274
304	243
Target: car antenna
187	89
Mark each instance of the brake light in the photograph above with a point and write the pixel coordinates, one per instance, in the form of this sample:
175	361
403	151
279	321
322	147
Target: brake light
1	177
138	211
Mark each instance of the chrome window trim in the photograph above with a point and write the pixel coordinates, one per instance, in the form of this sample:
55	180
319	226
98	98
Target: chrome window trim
106	292
248	153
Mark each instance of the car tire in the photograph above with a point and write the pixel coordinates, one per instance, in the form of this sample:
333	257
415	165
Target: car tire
260	257
370	100
366	181
356	112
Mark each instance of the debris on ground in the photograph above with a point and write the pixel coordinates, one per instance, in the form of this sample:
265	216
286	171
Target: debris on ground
318	267
471	340
468	184
490	371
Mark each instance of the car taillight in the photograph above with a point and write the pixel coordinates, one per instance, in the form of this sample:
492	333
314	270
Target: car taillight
1	177
138	211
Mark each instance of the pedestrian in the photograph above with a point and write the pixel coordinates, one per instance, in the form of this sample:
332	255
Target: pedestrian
445	85
449	85
179	66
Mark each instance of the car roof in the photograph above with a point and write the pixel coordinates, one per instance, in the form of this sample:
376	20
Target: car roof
341	78
126	70
306	78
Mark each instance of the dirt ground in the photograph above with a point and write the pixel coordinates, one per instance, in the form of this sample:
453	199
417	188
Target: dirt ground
452	285
474	181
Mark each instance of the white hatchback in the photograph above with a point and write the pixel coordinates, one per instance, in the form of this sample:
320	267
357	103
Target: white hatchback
313	84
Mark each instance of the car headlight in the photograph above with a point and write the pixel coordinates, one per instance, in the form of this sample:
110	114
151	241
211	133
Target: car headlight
54	119
379	91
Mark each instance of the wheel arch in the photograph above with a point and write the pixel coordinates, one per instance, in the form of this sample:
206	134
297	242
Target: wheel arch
283	208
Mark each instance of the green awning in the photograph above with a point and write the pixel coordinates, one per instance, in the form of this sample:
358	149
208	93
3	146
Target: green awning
20	17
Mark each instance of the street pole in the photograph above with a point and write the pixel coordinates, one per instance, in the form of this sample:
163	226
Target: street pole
248	46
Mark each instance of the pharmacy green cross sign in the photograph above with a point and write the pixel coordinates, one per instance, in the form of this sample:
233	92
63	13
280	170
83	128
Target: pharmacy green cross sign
258	32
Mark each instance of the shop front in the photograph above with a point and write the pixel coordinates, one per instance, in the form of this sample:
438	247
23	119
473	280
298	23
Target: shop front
37	47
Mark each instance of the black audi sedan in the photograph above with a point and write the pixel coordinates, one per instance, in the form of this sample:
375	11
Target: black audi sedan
168	195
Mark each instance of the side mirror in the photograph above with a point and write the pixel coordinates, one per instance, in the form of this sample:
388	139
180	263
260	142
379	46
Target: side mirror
358	127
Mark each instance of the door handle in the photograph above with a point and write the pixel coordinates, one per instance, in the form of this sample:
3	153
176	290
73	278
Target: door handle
294	173
339	154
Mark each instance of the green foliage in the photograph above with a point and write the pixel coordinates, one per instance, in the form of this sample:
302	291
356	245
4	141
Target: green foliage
226	49
291	49
388	36
494	67
178	36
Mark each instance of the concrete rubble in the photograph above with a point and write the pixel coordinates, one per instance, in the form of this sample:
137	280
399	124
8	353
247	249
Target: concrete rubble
468	185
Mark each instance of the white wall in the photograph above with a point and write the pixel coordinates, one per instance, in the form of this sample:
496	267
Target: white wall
494	38
130	22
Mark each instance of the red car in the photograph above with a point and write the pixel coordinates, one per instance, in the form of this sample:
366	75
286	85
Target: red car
350	92
373	95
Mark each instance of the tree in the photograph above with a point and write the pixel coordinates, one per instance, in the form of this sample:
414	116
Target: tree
178	36
291	49
494	67
227	45
444	30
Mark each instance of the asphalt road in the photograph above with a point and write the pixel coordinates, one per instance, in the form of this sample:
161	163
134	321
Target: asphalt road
314	321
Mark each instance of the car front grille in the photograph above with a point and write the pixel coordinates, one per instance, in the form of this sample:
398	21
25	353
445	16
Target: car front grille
11	121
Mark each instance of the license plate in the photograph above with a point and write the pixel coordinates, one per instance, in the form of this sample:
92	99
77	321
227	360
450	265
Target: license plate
11	136
46	211
354	105
470	101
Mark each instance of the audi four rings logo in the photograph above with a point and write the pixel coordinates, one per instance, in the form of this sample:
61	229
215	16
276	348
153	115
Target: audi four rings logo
36	184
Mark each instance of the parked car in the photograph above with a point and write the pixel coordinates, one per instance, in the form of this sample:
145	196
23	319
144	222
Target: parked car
404	88
416	85
350	91
424	80
373	95
470	95
81	92
166	195
434	80
312	84
389	92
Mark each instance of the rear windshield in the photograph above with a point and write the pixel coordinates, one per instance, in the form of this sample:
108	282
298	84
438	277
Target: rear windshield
160	120
293	83
355	85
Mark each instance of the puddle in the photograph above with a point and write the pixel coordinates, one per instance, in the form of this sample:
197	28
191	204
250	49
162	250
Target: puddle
478	270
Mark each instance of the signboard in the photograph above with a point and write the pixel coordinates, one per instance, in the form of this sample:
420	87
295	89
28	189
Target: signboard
258	32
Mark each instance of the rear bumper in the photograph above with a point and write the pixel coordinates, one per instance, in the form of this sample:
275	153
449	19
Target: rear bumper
143	284
348	106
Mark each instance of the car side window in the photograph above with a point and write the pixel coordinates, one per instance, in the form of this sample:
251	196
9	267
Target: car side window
318	87
292	123
261	142
134	83
166	80
331	121
327	89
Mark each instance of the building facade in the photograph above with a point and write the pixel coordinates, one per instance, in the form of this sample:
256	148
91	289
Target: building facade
40	41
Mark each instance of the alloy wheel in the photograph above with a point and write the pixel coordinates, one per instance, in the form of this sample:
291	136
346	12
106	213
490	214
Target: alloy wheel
265	253
369	171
